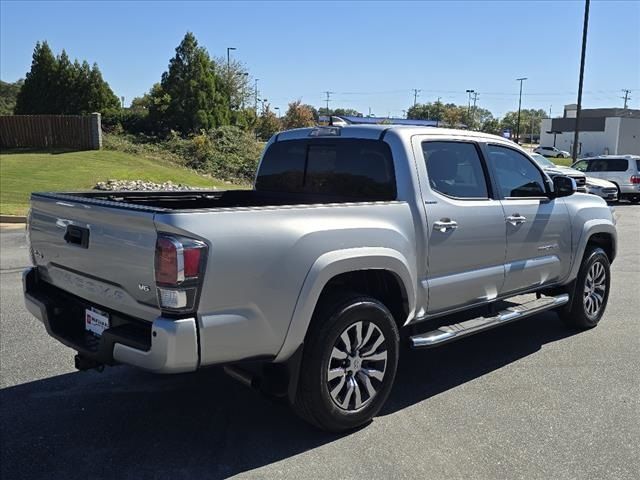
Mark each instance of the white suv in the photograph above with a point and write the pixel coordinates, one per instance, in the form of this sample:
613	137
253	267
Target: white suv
623	170
552	152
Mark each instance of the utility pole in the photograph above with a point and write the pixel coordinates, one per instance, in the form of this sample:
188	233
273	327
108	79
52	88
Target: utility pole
626	97
585	27
327	100
519	108
550	110
416	91
473	115
469	92
438	112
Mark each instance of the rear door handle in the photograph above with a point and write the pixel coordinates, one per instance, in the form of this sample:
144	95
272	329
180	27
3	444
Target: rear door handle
444	225
516	219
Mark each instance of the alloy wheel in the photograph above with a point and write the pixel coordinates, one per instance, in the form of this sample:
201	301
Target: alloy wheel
356	366
595	287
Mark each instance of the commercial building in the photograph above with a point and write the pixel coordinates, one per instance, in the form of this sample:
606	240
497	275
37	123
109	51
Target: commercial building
603	131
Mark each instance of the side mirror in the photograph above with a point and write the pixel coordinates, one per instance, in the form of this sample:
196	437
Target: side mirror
563	186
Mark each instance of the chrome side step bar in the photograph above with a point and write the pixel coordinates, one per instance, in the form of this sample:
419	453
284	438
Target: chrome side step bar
449	333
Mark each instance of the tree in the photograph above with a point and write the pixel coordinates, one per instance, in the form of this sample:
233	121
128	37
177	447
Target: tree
36	95
340	112
298	115
452	116
54	85
314	111
187	99
8	95
528	118
421	111
491	125
235	82
268	124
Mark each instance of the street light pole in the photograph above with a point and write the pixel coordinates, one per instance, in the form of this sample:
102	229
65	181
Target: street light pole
229	58
576	134
256	96
519	108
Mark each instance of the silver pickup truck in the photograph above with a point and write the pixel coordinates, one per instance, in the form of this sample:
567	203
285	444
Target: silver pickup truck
354	241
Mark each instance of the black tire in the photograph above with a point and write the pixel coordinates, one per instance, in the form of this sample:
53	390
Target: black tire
335	316
578	313
634	199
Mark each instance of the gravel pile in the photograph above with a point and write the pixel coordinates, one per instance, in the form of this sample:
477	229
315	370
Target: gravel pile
141	185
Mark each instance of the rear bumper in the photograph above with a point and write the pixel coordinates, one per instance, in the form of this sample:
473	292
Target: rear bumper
163	346
630	189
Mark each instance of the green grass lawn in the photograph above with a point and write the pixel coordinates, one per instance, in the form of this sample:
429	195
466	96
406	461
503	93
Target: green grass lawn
23	173
562	161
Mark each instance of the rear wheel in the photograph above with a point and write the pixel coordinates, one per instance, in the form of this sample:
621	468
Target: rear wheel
349	362
591	291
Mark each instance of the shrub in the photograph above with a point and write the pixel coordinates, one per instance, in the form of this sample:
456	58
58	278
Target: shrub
227	152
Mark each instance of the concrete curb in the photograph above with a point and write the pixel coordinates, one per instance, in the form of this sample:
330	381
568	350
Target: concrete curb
12	219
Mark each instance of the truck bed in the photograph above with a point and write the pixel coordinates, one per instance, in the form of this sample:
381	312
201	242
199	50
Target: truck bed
198	199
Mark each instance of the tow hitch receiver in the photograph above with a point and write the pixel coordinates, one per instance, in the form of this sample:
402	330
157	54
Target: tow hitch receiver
84	363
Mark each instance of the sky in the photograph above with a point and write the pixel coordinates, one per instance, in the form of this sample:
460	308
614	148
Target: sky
371	55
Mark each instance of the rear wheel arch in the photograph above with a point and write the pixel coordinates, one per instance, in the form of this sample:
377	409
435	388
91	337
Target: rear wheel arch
357	266
381	284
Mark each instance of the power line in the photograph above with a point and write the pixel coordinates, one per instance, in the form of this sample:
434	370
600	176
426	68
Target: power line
626	97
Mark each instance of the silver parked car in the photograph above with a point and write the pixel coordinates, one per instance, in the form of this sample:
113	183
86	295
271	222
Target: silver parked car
602	188
622	170
552	152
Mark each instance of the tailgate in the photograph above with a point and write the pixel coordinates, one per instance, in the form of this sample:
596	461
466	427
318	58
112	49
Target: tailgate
103	254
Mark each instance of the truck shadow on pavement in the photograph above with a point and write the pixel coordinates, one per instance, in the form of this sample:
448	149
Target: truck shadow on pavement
125	423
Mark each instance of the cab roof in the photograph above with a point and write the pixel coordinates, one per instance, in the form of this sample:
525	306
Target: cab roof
375	132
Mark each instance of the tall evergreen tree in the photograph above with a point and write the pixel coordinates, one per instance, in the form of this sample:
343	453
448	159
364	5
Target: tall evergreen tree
57	86
36	95
189	85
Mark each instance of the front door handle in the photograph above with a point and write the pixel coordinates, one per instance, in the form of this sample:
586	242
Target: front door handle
516	219
444	225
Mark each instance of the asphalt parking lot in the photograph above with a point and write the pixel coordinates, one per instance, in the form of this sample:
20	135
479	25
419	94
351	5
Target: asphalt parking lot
530	400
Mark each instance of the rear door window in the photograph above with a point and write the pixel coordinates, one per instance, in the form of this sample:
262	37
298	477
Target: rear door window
616	165
355	168
455	169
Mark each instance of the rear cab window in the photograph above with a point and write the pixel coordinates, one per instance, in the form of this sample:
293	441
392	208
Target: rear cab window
357	169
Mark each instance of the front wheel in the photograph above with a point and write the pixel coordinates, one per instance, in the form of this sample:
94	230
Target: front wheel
349	362
591	291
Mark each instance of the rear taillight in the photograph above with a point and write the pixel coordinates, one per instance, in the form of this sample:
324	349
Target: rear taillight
179	268
635	179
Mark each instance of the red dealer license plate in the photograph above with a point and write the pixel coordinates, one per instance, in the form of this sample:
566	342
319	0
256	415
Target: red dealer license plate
96	321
